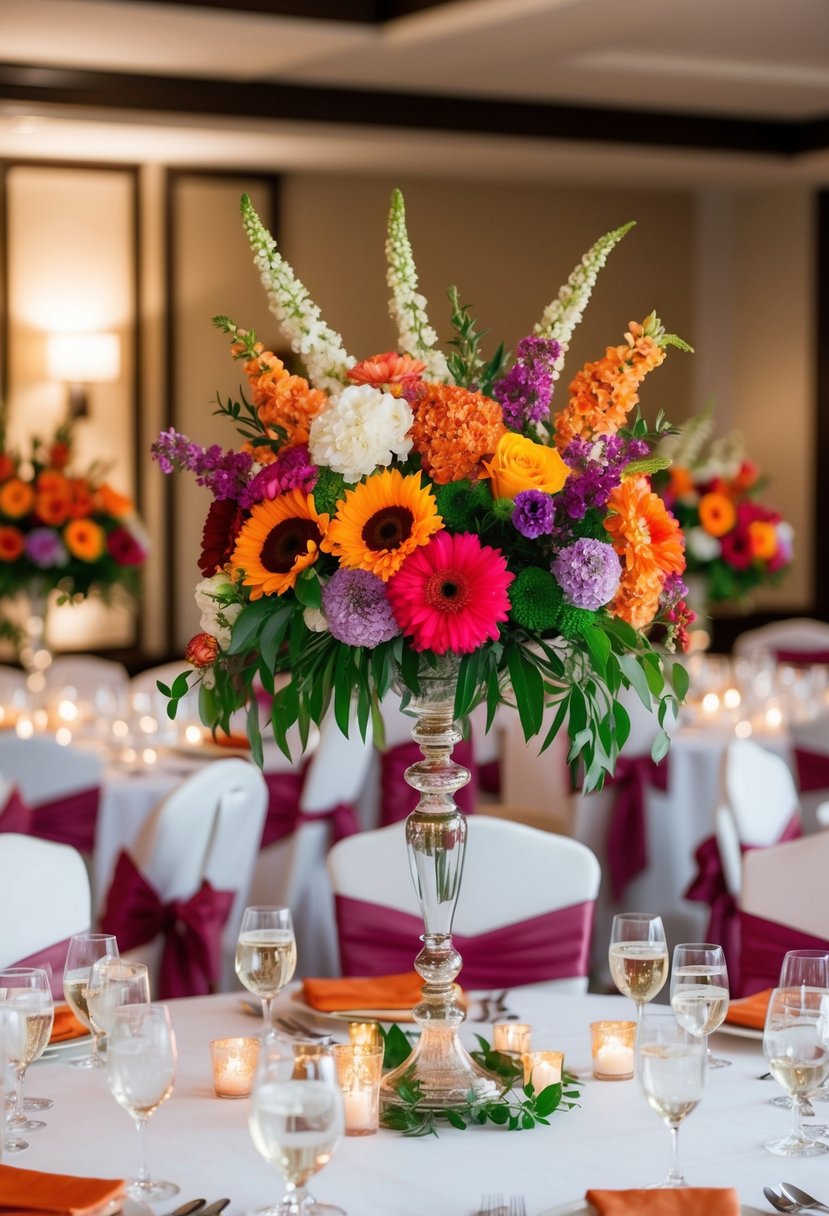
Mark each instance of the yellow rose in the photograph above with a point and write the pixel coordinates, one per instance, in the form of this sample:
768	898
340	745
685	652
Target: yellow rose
519	464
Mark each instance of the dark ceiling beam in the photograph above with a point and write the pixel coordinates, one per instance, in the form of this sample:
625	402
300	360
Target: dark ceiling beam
109	91
366	12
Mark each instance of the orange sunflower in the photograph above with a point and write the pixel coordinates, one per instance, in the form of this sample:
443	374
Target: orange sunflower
84	539
650	543
381	521
281	538
16	498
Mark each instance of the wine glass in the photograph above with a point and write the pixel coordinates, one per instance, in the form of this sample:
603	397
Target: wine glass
114	982
638	956
142	1069
670	1066
809	968
26	991
795	1045
699	991
266	955
12	1031
296	1121
84	950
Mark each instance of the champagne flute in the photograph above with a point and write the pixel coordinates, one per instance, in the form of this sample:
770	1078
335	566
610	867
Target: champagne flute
26	991
296	1121
795	1045
12	1031
638	956
142	1068
114	982
266	955
670	1067
809	968
84	950
699	991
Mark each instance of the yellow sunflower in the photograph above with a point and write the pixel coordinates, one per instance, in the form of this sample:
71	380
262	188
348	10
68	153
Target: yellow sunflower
381	521
281	538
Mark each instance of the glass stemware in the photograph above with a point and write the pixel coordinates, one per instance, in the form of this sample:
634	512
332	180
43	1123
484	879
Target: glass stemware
699	991
26	992
809	967
796	1047
114	982
142	1068
11	1029
671	1068
266	955
84	950
296	1121
638	956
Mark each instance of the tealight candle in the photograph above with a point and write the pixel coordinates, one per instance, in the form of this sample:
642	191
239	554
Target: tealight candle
234	1063
613	1050
359	1071
512	1036
543	1068
364	1034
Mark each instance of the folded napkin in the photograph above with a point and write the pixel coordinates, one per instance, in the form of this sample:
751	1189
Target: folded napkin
31	1193
66	1025
237	741
750	1010
667	1201
373	992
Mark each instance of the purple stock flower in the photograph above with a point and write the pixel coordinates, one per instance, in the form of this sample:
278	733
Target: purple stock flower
225	474
598	465
358	610
588	572
533	513
291	470
525	393
45	549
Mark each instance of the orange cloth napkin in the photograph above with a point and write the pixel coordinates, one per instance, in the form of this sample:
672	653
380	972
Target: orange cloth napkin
750	1010
31	1193
369	992
667	1201
66	1025
232	740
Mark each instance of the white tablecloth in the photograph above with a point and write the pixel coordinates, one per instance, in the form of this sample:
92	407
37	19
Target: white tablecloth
613	1140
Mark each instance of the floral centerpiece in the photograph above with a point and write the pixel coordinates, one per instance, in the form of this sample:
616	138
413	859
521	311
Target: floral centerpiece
733	539
63	530
383	513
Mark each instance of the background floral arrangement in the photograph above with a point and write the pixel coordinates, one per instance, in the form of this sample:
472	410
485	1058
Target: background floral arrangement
736	541
385	513
61	529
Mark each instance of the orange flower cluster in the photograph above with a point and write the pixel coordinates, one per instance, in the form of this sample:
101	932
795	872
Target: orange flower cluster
651	545
390	371
282	401
603	393
454	429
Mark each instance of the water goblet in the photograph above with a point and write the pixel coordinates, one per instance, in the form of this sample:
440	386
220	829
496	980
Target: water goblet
809	968
699	991
142	1068
671	1068
114	982
638	956
296	1121
26	992
84	950
266	955
796	1045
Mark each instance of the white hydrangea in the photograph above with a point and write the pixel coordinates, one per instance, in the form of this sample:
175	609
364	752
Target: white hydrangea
701	545
219	608
361	429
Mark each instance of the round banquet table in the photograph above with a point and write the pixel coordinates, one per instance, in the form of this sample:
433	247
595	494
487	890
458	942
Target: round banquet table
612	1140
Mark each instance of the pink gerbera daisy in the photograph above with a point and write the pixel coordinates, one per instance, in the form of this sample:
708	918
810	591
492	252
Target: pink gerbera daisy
451	594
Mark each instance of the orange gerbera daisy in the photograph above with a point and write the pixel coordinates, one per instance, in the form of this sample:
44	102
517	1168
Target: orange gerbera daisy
763	539
390	371
12	544
16	498
649	541
380	522
84	539
717	513
53	506
453	430
281	538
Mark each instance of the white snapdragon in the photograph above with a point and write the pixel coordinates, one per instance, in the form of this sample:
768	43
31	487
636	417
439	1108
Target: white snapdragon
407	307
219	608
359	430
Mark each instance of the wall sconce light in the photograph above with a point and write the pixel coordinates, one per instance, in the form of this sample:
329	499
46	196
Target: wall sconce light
82	359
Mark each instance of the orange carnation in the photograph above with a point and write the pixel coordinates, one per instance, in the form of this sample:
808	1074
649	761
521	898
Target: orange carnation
84	539
650	543
11	544
453	430
716	513
16	498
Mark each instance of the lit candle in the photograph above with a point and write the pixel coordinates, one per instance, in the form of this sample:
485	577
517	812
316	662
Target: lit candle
710	703
512	1036
613	1050
357	1103
364	1034
543	1068
359	1071
193	735
234	1063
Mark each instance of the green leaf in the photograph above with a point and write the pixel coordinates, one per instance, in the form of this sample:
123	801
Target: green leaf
456	1119
396	1047
637	678
163	689
621	720
307	589
273	634
468	681
598	644
548	1099
247	625
661	746
528	688
254	733
680	680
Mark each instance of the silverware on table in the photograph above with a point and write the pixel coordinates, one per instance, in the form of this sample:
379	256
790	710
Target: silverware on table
517	1207
192	1205
780	1202
802	1198
214	1208
301	1030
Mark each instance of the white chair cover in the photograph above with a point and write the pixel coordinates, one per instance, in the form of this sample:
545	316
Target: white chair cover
783	883
796	634
44	896
43	771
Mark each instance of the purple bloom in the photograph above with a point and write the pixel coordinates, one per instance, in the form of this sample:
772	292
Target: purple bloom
588	572
673	590
358	610
526	392
224	473
291	470
45	549
533	513
599	465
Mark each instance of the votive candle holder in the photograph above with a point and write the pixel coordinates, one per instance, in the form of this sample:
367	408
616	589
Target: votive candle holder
543	1068
364	1034
234	1064
359	1072
513	1037
612	1048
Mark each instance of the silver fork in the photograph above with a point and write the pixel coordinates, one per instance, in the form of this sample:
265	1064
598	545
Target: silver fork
517	1207
492	1205
300	1030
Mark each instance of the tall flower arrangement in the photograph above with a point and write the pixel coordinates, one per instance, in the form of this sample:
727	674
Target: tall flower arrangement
383	513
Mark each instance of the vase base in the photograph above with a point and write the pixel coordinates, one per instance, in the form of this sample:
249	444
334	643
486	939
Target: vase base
443	1071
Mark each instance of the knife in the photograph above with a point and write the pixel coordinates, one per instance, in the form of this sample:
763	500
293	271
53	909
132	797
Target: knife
213	1209
192	1205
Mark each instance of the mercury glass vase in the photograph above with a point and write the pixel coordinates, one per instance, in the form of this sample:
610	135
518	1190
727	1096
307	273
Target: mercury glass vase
34	654
436	844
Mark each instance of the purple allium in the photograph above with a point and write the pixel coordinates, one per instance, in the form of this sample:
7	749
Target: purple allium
525	393
45	549
588	572
291	470
224	473
533	513
673	590
358	610
598	465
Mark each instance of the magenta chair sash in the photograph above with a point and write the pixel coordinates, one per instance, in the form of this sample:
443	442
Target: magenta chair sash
192	929
53	960
376	940
68	820
16	815
764	945
812	770
397	799
342	817
284	792
803	657
627	837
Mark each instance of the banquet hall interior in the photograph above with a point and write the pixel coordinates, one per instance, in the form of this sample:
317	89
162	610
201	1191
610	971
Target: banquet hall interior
518	132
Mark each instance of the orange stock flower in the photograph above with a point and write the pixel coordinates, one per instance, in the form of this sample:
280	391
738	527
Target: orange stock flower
717	513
